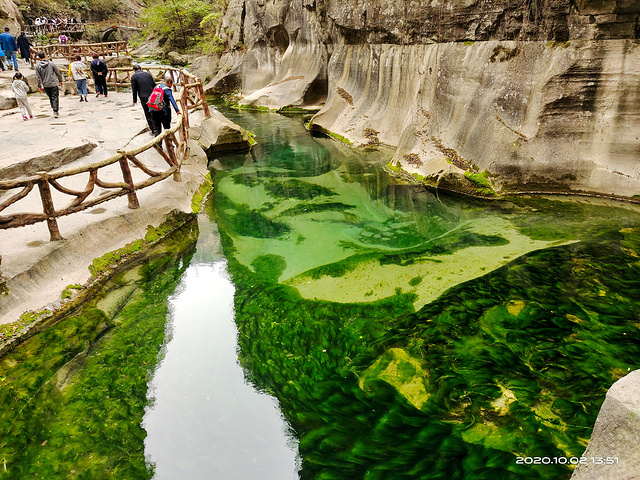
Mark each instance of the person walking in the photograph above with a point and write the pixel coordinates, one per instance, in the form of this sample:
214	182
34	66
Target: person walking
25	47
142	84
77	70
2	56
162	118
99	70
49	78
10	47
20	89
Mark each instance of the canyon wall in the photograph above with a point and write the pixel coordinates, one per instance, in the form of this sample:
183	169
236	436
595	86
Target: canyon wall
10	17
482	97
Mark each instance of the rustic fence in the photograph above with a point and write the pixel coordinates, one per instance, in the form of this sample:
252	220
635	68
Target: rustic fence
120	77
190	95
69	27
85	50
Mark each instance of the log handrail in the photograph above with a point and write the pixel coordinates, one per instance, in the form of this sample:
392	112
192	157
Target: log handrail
86	50
175	151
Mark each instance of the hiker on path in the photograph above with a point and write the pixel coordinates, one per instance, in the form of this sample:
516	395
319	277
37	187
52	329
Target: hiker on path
2	57
162	117
49	78
9	45
99	70
25	47
142	84
20	88
77	70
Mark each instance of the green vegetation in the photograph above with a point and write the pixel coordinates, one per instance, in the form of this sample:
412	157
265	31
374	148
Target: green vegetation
481	183
201	193
67	293
511	369
255	108
74	394
185	25
112	259
513	362
97	9
340	138
294	188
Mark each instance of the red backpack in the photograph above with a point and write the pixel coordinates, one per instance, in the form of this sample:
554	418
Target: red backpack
156	99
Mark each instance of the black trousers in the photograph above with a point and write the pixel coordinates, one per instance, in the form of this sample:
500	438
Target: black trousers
53	93
148	115
162	119
101	84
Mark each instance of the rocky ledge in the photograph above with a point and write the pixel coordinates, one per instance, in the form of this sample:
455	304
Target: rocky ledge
37	270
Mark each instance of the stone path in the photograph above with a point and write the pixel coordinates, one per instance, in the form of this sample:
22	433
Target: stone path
36	269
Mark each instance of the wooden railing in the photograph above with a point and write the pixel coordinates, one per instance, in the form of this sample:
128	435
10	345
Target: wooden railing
54	28
120	77
85	50
190	96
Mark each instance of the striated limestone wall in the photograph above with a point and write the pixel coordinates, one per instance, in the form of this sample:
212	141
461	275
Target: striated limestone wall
541	96
536	116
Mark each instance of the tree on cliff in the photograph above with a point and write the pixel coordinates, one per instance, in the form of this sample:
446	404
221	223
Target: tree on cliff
183	24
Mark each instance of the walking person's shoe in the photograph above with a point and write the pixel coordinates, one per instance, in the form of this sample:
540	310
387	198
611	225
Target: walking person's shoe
55	115
97	94
30	117
24	117
81	99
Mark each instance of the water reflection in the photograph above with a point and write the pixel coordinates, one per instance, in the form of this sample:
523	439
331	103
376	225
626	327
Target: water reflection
205	421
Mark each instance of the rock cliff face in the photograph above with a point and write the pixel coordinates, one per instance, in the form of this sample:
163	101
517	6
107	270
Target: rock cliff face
10	16
476	96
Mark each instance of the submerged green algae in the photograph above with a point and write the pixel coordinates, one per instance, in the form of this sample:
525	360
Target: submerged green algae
510	358
74	395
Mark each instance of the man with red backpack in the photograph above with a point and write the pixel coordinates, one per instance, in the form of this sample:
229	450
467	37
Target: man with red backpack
142	85
160	102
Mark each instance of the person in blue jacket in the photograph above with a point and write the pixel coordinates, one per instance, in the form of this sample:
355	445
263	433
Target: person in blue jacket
9	45
162	118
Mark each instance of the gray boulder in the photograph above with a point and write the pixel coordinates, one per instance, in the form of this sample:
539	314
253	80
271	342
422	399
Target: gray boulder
219	134
614	452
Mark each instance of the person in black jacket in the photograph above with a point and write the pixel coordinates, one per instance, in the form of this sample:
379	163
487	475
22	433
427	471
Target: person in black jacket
142	84
99	70
23	45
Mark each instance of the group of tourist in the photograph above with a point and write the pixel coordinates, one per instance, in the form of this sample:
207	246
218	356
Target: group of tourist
9	46
156	100
43	24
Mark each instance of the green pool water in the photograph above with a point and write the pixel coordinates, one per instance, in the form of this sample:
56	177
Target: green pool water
325	321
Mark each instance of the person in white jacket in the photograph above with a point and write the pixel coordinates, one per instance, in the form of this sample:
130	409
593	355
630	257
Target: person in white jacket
20	88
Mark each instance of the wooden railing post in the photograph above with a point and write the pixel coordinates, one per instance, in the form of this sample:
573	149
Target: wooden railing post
205	105
128	179
168	142
49	209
